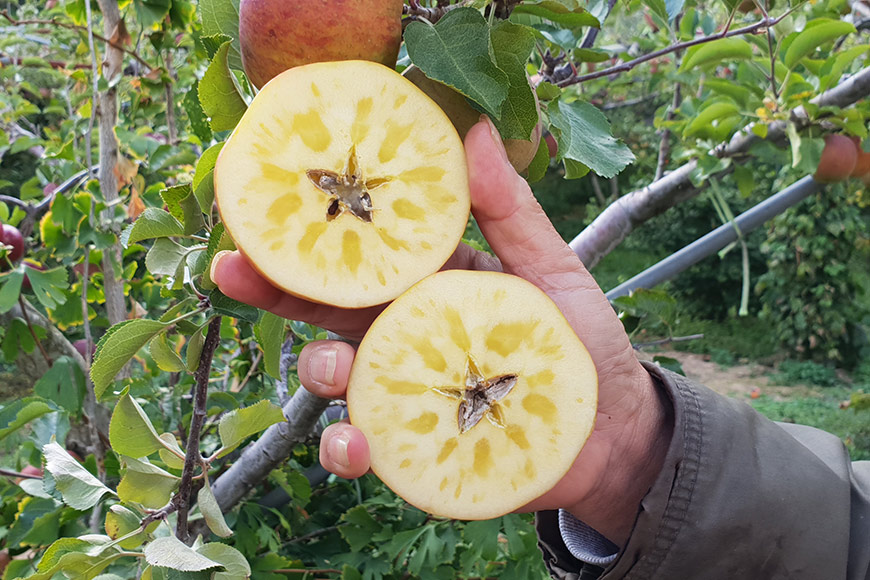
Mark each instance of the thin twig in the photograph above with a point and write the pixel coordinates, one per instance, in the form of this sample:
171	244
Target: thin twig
627	66
33	332
56	22
665	145
256	363
17	475
314	534
193	457
643	345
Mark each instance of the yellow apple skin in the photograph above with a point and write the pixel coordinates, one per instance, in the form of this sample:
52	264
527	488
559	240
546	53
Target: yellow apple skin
412	370
520	152
279	34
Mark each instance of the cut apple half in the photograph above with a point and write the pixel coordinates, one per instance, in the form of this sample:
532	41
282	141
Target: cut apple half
474	393
343	184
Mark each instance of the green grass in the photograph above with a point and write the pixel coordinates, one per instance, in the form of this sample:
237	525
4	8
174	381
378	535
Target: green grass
728	340
822	410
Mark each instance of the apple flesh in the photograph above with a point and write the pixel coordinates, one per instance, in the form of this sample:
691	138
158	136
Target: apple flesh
838	159
279	34
474	393
343	184
520	152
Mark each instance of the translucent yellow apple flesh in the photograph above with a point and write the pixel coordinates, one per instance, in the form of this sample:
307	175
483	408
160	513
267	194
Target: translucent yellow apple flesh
343	183
474	393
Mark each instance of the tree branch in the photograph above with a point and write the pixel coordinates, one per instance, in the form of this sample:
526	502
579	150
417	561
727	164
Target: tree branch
620	218
193	457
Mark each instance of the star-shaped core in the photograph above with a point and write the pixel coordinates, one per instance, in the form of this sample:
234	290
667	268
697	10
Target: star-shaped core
348	191
479	398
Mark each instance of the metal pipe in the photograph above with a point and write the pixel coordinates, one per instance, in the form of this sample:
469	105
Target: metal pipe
725	234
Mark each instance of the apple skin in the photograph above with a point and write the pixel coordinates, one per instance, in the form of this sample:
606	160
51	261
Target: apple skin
279	34
520	152
81	345
10	236
862	165
838	159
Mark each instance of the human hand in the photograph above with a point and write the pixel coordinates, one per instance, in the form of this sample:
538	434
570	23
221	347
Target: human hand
625	451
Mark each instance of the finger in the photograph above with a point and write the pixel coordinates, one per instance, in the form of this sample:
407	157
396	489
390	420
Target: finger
324	367
236	278
344	451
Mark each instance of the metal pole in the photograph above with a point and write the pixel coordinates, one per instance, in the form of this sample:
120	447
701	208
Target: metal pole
725	234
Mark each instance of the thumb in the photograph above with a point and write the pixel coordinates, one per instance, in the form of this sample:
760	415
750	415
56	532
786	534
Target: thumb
512	221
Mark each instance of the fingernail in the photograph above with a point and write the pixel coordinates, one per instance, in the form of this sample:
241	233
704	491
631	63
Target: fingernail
214	262
496	137
337	449
321	366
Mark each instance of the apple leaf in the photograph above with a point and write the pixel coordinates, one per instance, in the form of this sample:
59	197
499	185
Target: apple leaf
568	13
165	257
222	17
583	134
76	558
195	114
716	52
120	343
17	413
540	163
206	163
172	459
145	483
457	52
64	384
219	95
236	566
817	33
512	45
153	223
10	289
270	333
170	552
79	488
226	306
49	285
194	349
211	512
130	430
238	425
164	355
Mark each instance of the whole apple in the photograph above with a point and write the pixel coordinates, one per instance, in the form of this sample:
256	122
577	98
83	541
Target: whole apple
862	165
838	159
276	35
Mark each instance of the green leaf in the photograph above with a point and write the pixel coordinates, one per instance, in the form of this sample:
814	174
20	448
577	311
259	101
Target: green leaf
49	286
10	289
838	64
165	356
269	331
76	558
218	241
150	12
183	206
483	536
709	115
130	430
153	223
207	162
80	489
583	134
211	512
165	257
512	45
119	345
194	349
145	483
121	521
540	163
228	307
237	426
725	49
222	17
20	412
235	565
456	51
172	460
219	95
204	192
359	527
195	114
567	13
64	384
817	33
170	552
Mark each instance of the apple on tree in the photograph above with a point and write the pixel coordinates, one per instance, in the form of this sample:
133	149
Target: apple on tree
276	35
343	184
10	236
474	393
838	159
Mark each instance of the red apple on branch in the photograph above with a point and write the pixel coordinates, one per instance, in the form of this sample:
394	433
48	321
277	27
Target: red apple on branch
838	159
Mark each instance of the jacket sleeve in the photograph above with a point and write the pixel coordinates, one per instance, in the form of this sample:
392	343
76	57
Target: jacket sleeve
739	496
